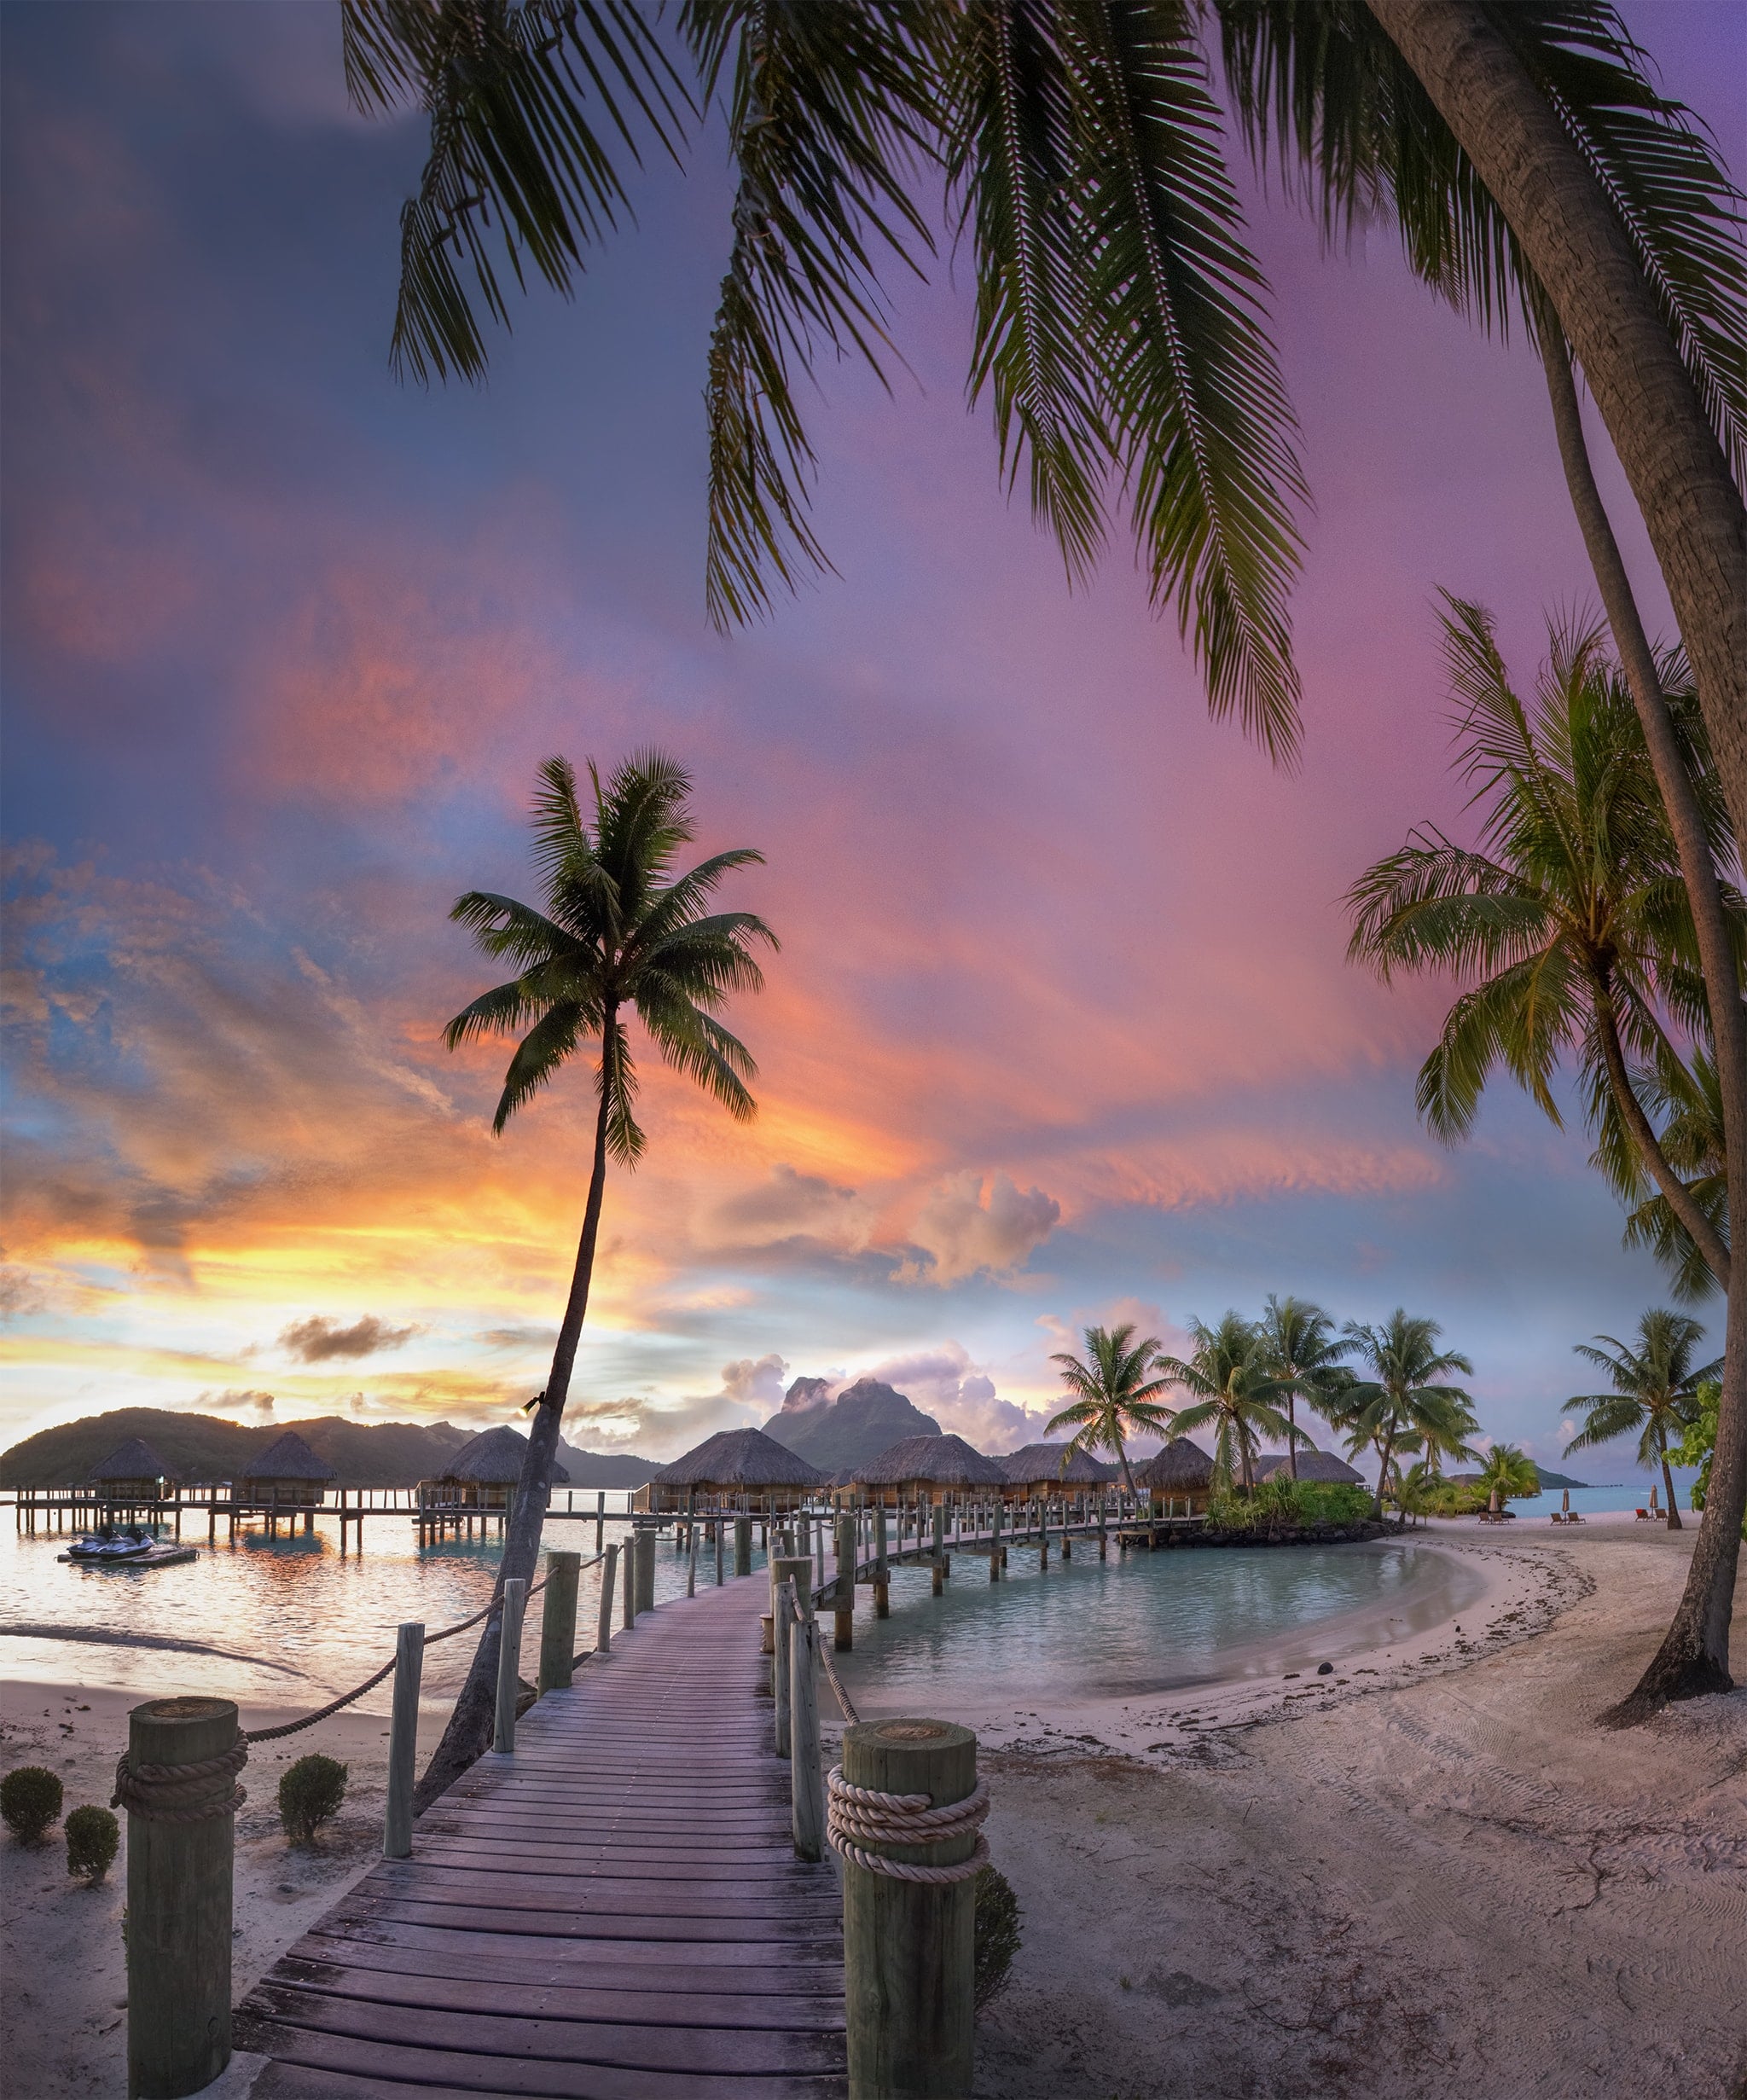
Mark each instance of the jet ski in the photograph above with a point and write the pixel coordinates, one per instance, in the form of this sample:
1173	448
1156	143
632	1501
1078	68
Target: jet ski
108	1545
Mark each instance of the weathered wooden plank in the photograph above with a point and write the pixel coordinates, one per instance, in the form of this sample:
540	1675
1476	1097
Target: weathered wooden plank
752	1966
595	1925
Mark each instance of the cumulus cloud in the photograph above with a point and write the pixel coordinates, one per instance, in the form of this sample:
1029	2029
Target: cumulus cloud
960	1233
237	1397
319	1340
755	1382
944	1381
789	1205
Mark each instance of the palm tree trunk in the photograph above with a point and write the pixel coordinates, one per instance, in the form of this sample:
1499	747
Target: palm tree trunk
1389	1445
469	1728
1122	1452
1668	1483
1291	1436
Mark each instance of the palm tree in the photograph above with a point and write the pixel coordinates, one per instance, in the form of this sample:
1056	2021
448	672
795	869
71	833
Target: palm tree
1655	1391
1115	1394
622	935
1234	1390
1407	1403
1686	1097
1570	918
1529	163
1302	1355
1511	1471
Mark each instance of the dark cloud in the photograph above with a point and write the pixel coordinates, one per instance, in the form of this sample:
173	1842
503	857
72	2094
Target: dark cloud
318	1340
526	1338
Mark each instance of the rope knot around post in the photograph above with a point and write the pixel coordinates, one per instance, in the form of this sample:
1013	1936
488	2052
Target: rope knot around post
188	1793
857	1816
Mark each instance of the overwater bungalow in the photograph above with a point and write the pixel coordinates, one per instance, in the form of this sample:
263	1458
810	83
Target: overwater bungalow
734	1469
1048	1472
482	1476
133	1474
926	1468
1312	1465
287	1475
1180	1477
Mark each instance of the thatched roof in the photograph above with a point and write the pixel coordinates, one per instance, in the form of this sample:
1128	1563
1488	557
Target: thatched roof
287	1457
1312	1465
941	1461
134	1460
1182	1468
494	1459
1041	1464
745	1458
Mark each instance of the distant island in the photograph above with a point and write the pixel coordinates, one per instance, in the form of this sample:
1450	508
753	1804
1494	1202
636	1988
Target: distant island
1547	1477
865	1419
206	1446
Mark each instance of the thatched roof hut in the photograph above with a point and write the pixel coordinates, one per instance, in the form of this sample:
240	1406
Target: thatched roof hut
286	1472
484	1473
735	1466
134	1472
930	1469
1052	1469
1312	1465
1182	1472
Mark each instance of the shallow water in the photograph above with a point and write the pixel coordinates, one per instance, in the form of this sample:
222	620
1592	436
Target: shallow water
1149	1623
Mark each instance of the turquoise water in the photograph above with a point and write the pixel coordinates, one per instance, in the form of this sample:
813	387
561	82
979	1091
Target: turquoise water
1149	1623
1598	1501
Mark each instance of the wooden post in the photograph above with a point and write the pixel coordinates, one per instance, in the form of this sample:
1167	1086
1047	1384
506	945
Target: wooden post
994	1545
599	1518
882	1569
178	1907
509	1663
843	1631
939	1546
603	1632
807	1784
789	1602
909	1948
404	1741
558	1622
716	1529
645	1571
691	1559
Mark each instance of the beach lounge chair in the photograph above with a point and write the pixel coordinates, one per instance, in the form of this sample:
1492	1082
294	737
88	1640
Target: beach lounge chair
1643	1516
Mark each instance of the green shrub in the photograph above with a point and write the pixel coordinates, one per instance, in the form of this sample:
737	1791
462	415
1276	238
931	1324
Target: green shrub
310	1794
1284	1504
93	1839
30	1801
997	1934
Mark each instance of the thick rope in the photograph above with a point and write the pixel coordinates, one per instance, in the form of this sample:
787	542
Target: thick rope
843	1698
854	1812
190	1793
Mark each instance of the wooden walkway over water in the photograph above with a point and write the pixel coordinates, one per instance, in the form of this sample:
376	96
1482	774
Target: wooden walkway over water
614	1913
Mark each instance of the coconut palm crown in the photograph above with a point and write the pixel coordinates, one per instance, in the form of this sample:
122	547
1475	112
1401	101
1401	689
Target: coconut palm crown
1655	1391
1407	1403
1302	1352
1115	1396
1231	1386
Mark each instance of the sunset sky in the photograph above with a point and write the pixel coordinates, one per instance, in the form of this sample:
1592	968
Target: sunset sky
1061	1029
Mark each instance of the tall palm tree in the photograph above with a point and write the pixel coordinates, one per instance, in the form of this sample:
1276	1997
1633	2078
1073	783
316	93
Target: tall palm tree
1509	1470
1687	1098
623	936
1232	1388
1115	1397
1570	918
1407	1403
1302	1355
1531	167
1655	1391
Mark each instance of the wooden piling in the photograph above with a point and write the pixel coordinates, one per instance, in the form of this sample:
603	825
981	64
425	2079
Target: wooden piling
178	1902
909	1948
558	1622
807	1784
691	1560
791	1586
843	1603
509	1663
882	1569
603	1632
743	1545
403	1740
994	1545
645	1571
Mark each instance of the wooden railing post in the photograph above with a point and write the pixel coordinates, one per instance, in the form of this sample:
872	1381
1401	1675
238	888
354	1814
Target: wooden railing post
691	1558
603	1632
807	1818
645	1570
404	1741
791	1583
558	1621
628	1581
882	1569
509	1663
909	1948
994	1545
179	1895
843	1631
743	1545
939	1544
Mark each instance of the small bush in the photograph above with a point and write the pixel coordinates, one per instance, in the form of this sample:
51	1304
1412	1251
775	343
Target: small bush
1283	1503
93	1839
998	1935
30	1801
310	1794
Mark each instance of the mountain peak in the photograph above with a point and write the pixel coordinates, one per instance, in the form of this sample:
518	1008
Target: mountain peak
865	1419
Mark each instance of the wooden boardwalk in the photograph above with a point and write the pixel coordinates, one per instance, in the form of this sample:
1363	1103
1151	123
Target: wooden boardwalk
614	1913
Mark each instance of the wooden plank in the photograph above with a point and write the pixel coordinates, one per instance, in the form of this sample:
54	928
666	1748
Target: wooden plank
749	1967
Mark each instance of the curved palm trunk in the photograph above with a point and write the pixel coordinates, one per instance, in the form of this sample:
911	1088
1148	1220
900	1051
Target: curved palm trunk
1697	527
1291	1436
469	1729
1668	1483
1389	1445
1122	1453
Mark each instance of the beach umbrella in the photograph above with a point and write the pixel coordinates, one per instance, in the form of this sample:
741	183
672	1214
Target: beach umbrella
1493	1504
1652	1498
1565	1501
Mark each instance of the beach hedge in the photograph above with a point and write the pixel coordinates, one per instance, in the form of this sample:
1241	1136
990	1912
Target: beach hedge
93	1839
997	1935
1284	1505
310	1793
30	1801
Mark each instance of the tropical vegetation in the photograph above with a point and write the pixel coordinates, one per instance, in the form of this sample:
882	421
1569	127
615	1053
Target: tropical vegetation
623	936
1233	1392
1655	1389
1507	1471
1407	1403
1283	1505
1303	1352
1115	1396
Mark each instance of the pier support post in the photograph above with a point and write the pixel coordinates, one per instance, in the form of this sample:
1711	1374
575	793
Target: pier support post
404	1741
843	1603
790	1584
181	1843
509	1663
909	1948
558	1621
603	1631
645	1571
743	1545
994	1545
882	1569
807	1784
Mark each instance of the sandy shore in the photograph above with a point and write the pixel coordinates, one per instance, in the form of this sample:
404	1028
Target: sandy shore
1433	1876
1427	1872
